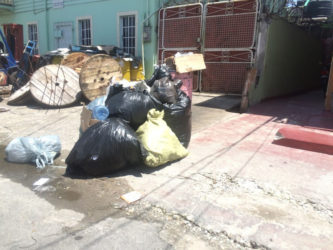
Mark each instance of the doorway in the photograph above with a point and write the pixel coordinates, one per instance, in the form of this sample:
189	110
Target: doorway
63	35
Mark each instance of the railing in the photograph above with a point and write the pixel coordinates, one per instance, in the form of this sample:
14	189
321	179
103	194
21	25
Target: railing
7	2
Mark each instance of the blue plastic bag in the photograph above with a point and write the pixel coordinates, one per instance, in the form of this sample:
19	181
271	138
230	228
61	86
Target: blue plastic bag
40	151
97	106
97	102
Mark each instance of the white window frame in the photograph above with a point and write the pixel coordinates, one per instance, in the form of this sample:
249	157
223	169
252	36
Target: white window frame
78	28
128	13
36	50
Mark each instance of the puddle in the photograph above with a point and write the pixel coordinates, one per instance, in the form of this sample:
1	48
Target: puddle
96	197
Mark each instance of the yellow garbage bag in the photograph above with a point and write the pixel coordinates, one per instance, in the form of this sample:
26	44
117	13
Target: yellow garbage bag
158	139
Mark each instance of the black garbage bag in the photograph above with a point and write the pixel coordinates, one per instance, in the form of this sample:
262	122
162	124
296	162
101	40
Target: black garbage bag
165	90
130	105
159	72
104	148
114	89
178	116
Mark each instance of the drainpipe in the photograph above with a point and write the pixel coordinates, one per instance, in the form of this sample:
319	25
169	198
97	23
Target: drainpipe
147	12
142	42
47	27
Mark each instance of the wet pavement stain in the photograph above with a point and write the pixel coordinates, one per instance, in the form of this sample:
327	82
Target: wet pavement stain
97	198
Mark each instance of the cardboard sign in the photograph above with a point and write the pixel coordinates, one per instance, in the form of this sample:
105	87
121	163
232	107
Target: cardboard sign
86	119
189	63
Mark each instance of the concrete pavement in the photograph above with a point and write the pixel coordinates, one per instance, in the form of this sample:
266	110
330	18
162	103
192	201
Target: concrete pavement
236	189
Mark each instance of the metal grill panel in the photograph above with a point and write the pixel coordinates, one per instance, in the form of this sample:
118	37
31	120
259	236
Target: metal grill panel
226	71
224	78
234	31
179	33
231	24
180	27
231	7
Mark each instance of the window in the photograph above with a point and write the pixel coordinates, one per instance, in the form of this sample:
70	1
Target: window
58	3
127	33
33	36
84	30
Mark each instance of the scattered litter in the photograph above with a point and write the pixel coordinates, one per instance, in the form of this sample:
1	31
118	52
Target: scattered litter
158	109
165	90
40	151
178	116
100	112
178	54
97	102
131	196
130	105
4	109
21	96
159	72
5	91
104	148
47	188
41	181
160	142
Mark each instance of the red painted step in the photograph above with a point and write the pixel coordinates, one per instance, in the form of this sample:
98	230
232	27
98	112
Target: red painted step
305	139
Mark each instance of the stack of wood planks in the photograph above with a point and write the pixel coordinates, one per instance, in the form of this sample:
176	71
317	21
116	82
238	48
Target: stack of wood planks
5	91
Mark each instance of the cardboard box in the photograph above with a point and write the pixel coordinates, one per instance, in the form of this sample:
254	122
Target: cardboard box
86	119
189	63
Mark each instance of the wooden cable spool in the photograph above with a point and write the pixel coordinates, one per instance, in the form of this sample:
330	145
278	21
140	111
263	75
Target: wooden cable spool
75	61
20	96
96	74
55	85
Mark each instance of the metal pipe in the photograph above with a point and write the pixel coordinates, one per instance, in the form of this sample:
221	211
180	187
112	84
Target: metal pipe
142	43
47	27
202	43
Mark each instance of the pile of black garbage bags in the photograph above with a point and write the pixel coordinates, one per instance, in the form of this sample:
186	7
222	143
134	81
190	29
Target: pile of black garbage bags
112	144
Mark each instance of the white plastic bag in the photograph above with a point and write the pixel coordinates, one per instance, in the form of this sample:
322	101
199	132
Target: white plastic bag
40	151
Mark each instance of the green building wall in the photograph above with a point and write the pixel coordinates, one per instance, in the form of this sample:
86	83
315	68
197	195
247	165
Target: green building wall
104	22
291	62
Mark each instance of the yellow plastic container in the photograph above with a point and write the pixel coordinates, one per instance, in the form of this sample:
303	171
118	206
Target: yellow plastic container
57	59
125	68
137	72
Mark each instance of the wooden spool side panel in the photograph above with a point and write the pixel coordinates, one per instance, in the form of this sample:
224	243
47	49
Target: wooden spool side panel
20	96
75	61
55	85
96	74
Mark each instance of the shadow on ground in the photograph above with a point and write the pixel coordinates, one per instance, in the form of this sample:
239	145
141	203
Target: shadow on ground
305	110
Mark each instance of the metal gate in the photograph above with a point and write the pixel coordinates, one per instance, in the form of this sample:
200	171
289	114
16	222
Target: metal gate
180	29
224	32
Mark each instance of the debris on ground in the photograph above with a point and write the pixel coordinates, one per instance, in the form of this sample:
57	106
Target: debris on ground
157	109
160	142
130	105
4	109
104	148
5	91
41	181
41	150
21	96
131	196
